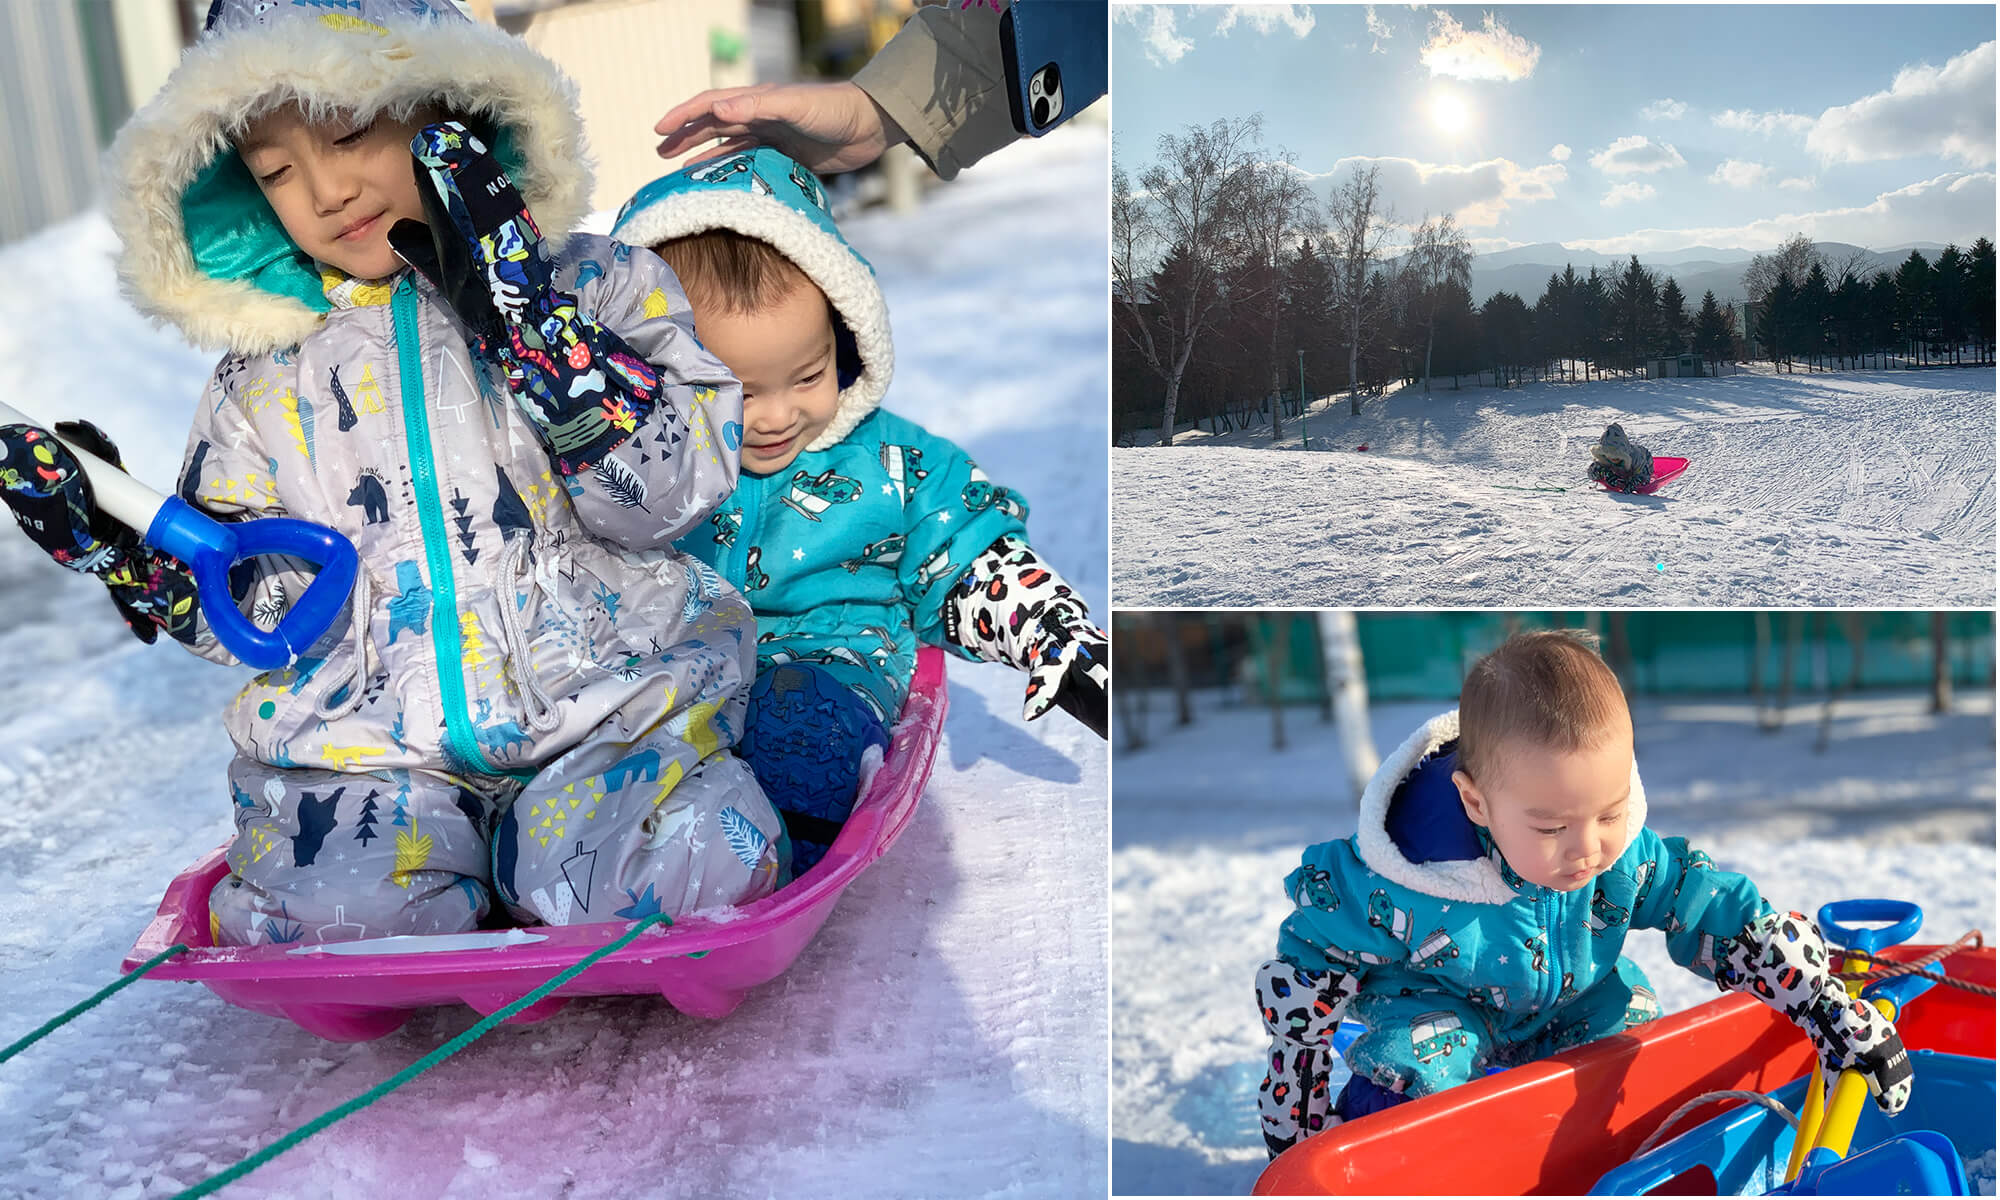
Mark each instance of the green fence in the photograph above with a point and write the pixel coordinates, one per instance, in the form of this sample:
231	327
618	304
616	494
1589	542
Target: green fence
1424	655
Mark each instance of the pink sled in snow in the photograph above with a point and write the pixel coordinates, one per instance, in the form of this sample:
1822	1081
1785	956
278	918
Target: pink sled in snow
355	991
1666	469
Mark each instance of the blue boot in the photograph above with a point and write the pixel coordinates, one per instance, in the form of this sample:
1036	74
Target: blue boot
804	737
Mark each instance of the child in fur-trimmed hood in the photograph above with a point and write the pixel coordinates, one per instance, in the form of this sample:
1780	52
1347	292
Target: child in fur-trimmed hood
1478	915
533	690
854	533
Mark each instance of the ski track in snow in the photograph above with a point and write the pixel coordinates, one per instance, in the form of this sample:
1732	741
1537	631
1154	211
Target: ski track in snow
1848	489
1901	804
943	1035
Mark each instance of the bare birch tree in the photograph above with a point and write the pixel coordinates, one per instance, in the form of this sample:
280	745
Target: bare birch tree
1358	227
1340	642
1183	205
1272	209
1439	254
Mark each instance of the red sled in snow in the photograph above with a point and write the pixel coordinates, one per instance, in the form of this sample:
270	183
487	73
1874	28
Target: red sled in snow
1556	1126
1666	469
355	991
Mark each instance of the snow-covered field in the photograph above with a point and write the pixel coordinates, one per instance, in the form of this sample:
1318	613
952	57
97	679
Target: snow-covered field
1207	821
1843	489
944	1036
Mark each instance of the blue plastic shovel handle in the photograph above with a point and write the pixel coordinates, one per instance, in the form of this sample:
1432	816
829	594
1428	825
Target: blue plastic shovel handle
1906	916
210	548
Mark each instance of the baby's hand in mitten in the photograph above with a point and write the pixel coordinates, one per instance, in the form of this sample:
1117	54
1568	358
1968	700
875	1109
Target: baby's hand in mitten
1783	961
582	385
1070	667
44	486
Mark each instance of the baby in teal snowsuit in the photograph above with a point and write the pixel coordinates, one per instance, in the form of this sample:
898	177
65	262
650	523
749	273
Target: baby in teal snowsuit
854	534
1477	917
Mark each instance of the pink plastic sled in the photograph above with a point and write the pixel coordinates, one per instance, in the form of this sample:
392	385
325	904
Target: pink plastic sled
1665	470
355	991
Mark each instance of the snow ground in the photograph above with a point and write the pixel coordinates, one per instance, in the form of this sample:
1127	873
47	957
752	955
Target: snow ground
1851	489
1900	805
945	1034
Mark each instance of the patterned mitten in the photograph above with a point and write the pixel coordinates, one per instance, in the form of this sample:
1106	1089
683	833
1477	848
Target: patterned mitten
1301	1009
1009	607
49	495
582	385
1783	961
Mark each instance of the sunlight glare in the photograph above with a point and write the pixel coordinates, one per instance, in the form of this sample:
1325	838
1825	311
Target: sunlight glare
1449	112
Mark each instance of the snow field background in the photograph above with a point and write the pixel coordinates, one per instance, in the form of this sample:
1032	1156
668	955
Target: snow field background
1208	820
1826	490
944	1035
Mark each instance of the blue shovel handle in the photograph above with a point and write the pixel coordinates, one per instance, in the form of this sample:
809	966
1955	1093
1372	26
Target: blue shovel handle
210	548
1906	918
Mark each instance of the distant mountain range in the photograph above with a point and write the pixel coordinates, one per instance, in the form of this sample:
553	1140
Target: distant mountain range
1525	270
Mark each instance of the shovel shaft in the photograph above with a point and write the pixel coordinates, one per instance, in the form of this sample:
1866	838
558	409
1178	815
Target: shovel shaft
112	489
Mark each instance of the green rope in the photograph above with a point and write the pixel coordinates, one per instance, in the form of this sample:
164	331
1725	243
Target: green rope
104	993
230	1175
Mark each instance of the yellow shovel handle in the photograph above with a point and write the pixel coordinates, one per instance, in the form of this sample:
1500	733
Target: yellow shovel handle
1835	1130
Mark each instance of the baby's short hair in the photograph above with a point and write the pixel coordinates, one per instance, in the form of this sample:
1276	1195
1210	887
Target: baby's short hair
734	272
1548	688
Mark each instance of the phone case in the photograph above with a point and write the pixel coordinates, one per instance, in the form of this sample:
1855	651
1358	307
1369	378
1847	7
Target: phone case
1057	59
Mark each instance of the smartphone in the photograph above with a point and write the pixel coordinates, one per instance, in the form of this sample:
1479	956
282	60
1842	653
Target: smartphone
1055	54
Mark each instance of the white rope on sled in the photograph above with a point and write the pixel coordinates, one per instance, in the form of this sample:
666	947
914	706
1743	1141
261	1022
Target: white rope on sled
1704	1098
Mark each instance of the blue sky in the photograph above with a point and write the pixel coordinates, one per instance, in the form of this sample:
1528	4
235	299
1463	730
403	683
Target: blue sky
1615	128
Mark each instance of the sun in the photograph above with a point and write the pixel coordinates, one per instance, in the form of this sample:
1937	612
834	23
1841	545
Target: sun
1450	113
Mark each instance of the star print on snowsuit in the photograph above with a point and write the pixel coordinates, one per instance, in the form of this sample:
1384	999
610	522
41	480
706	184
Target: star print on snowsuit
1447	988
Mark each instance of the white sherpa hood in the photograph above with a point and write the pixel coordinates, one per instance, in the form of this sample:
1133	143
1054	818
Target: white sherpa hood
371	56
765	195
1476	880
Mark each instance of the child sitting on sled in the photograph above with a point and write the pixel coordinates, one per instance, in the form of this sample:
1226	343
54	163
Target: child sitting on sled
1619	462
1478	915
510	435
855	534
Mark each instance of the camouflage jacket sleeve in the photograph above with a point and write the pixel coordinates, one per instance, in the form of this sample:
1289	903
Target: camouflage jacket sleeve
682	458
942	79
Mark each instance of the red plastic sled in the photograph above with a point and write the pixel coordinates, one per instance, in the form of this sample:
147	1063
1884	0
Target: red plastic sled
354	991
1554	1127
1666	469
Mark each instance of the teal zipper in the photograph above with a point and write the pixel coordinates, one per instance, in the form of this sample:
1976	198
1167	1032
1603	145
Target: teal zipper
445	632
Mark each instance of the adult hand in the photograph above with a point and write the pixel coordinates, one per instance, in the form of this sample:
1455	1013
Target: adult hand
830	127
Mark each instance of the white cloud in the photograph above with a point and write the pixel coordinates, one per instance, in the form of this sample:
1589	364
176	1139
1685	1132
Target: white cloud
1628	193
1953	207
1764	123
1377	29
1736	173
1559	152
1944	111
1797	184
1478	194
1636	155
1156	23
1488	53
1664	110
1265	18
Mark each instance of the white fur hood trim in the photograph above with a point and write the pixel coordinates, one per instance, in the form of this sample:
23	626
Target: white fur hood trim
834	267
1477	880
391	66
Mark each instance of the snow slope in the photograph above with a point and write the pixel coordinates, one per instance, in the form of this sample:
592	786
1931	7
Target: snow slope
943	1036
1863	488
1207	821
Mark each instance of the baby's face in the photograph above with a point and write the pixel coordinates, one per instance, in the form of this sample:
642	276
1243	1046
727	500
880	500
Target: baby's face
784	356
337	187
1558	819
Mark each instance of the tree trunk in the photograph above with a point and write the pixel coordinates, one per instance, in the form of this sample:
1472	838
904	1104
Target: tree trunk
1621	653
1761	647
1794	633
1280	625
1347	683
1174	394
1177	668
1940	664
1354	374
1430	345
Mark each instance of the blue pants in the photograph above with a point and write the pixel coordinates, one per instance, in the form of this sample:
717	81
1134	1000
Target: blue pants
804	738
1429	1041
